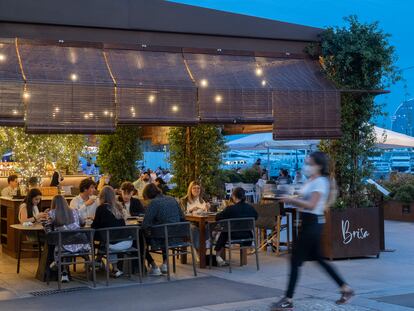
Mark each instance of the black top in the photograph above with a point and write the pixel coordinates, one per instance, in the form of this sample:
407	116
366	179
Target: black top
238	210
135	208
104	218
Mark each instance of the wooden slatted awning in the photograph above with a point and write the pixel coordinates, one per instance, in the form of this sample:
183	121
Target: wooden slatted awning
70	88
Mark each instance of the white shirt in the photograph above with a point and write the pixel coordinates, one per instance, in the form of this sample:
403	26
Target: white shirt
8	192
127	208
196	206
320	185
35	210
84	211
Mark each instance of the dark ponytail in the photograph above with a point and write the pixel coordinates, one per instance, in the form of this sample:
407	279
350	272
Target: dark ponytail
321	159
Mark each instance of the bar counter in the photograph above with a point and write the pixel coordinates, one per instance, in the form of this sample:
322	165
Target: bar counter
9	211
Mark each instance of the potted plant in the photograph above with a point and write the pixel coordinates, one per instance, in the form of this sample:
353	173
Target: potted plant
357	58
400	205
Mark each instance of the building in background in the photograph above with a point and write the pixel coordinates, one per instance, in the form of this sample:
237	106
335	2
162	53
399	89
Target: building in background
403	119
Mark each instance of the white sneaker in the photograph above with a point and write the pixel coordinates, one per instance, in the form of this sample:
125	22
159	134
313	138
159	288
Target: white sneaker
221	262
164	269
65	278
155	271
117	274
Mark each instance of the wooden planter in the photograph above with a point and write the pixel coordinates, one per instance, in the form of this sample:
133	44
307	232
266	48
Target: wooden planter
351	233
395	210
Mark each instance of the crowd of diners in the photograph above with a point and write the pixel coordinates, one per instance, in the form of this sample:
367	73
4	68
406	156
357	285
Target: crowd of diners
111	207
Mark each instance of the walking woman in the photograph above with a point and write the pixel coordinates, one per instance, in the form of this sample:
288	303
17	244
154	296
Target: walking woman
316	195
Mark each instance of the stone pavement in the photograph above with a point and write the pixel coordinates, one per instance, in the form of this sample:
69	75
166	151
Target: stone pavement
391	274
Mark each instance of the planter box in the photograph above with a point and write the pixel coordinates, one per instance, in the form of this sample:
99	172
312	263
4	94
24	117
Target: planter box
351	233
395	210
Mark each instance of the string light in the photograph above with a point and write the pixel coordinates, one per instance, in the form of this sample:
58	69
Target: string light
86	116
105	112
264	82
259	72
218	99
91	114
57	109
74	77
15	111
204	83
2	57
174	108
151	98
26	95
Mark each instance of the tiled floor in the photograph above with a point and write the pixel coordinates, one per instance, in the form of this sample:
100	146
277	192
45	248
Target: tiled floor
391	274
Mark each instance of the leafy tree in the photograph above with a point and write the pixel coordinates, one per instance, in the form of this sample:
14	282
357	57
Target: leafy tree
119	152
33	152
196	154
356	57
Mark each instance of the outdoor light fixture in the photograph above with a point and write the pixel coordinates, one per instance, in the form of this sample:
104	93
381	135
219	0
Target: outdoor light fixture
151	98
204	83
174	108
259	72
218	99
74	77
264	82
2	57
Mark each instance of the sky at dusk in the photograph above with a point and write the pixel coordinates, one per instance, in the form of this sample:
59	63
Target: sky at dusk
395	17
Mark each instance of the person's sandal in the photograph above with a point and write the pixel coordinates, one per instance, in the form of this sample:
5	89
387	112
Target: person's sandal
345	297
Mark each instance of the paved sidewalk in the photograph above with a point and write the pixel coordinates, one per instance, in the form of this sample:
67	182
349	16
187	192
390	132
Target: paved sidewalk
375	281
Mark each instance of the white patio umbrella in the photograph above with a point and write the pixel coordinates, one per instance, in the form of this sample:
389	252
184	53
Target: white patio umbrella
265	141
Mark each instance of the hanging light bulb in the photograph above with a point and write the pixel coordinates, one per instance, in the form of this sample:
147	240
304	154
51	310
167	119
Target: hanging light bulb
74	77
218	99
174	108
151	98
2	57
264	82
204	82
259	72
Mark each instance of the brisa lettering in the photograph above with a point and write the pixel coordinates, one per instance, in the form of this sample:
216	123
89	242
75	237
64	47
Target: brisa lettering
349	235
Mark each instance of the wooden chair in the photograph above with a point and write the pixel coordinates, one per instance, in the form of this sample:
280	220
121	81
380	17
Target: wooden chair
270	218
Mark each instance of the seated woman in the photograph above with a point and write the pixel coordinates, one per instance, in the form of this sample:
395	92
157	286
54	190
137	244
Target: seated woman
132	206
240	209
62	217
29	210
111	214
162	209
193	203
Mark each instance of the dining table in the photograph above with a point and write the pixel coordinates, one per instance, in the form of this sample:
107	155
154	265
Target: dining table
201	221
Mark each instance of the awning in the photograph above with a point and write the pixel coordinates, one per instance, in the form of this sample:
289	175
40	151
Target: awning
75	88
69	89
11	86
152	87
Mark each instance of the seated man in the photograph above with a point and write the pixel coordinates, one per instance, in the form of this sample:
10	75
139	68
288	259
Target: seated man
240	209
11	189
133	206
86	202
162	209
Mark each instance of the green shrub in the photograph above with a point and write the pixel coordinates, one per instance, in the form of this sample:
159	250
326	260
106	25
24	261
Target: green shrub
405	194
231	176
250	175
